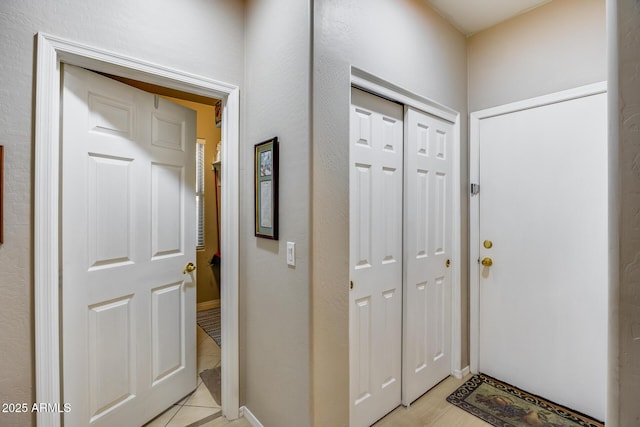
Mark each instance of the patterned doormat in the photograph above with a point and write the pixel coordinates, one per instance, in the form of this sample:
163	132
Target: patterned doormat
209	320
503	405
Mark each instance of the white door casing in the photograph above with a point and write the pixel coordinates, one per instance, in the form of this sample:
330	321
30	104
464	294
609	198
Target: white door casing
427	253
539	313
52	52
375	299
128	211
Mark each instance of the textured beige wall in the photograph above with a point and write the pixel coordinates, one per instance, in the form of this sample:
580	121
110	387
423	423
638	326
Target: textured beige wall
275	307
558	46
625	149
406	43
160	31
613	372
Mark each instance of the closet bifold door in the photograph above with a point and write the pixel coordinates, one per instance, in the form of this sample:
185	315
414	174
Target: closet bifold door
375	295
427	252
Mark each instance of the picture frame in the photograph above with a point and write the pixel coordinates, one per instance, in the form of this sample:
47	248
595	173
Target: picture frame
266	171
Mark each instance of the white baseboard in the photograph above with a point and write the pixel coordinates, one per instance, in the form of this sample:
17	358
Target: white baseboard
459	374
246	413
208	304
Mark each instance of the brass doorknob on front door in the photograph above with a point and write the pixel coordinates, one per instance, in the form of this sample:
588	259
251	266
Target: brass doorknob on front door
487	262
188	268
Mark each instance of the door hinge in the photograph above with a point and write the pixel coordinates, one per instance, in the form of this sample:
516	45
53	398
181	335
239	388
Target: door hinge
475	189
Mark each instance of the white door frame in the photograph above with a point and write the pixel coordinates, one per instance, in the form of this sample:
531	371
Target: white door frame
370	83
474	201
51	53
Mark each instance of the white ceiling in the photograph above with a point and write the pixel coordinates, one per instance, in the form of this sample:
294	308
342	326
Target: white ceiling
471	16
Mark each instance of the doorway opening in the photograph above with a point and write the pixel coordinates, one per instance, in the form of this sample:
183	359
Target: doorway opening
208	256
208	393
52	52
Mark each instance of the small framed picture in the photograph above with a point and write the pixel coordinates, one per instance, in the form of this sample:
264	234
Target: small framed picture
266	189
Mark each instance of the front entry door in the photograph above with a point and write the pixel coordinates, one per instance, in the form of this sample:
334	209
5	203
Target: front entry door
543	251
375	299
128	213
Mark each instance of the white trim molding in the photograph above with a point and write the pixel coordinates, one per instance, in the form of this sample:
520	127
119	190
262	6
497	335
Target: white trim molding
371	83
378	86
52	51
474	200
248	415
461	373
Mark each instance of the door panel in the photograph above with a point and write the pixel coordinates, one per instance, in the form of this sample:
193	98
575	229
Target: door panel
128	312
543	205
166	210
109	215
111	356
167	320
427	234
376	151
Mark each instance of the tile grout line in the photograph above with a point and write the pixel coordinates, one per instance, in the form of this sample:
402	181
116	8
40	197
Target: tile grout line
174	415
206	419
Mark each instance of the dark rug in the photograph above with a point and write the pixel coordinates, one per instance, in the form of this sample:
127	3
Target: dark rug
503	405
209	320
211	379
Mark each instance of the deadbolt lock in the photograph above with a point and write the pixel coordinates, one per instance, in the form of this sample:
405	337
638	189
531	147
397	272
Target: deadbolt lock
488	244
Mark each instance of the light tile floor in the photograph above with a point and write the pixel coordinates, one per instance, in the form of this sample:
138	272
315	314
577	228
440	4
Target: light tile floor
199	408
433	410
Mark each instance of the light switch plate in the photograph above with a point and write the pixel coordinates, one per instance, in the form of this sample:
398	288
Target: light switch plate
291	254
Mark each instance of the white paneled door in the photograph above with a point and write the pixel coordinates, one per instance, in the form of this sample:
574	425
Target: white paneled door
543	250
375	314
427	253
128	213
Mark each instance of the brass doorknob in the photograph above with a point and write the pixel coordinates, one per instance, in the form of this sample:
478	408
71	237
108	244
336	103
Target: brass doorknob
188	268
487	262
